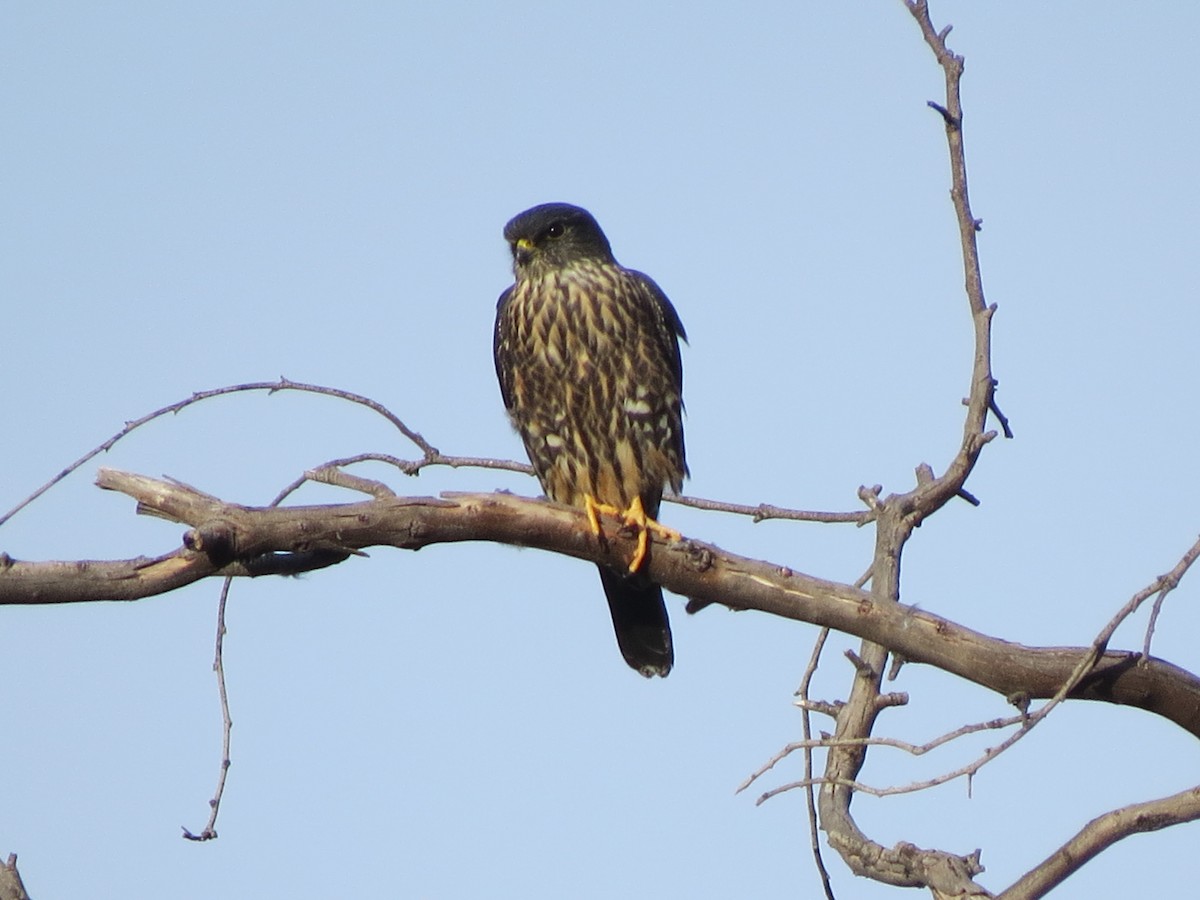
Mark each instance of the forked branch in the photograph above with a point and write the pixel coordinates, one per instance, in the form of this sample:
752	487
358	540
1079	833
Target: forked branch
896	517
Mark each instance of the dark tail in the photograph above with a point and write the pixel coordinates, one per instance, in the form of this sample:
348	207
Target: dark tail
640	621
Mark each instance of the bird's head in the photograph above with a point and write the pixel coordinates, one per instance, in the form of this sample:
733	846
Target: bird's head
553	236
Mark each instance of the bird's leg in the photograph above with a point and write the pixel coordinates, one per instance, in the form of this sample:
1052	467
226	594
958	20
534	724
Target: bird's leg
635	517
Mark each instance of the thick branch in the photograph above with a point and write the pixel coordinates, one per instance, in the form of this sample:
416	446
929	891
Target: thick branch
230	539
1100	834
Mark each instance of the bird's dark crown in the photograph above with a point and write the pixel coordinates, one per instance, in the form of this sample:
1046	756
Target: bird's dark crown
555	235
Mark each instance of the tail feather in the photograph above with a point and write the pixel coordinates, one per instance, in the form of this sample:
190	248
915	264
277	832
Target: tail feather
640	620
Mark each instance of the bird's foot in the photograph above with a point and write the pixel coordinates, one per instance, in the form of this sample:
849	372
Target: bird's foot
594	508
635	517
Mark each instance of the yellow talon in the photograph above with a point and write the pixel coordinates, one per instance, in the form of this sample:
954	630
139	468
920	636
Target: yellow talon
594	507
634	517
589	505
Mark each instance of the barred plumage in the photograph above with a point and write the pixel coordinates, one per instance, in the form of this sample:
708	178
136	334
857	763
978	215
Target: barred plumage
587	353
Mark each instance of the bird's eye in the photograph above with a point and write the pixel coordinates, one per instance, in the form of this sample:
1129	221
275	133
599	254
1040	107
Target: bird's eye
555	230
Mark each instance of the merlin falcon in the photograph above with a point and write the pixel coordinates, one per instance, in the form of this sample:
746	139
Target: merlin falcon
587	353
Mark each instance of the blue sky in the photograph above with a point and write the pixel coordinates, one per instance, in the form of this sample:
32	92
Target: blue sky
202	195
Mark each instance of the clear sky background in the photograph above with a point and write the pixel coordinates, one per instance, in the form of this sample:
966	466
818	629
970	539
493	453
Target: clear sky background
201	194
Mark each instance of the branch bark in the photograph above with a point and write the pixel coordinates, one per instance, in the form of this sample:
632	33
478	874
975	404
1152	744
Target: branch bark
229	539
1100	834
11	887
897	516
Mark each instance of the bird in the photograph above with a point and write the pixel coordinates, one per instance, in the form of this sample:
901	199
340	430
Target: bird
588	359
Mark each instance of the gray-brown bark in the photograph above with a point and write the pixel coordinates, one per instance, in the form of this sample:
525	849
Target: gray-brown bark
228	539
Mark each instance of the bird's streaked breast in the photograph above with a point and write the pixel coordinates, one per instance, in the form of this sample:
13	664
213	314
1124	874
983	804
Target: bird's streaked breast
592	396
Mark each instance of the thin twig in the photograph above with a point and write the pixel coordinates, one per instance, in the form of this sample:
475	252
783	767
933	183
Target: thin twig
1000	417
810	743
764	511
806	726
209	832
431	456
270	387
1152	623
1160	586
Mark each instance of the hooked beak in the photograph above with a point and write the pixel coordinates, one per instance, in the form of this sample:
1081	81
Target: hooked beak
522	251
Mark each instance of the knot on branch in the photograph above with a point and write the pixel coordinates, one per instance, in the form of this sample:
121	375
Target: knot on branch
864	668
951	876
700	558
216	539
870	497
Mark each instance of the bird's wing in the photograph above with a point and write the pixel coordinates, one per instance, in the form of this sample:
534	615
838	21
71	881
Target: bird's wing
670	328
667	334
499	342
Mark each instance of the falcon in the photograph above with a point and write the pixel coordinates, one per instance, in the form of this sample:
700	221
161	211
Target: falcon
587	353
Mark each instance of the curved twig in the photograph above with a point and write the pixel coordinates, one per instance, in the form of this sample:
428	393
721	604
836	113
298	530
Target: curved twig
431	456
271	387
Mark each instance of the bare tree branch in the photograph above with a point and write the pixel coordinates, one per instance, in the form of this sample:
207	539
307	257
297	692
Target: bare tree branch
806	727
209	831
330	472
1100	834
228	539
897	516
763	511
1027	721
810	743
270	387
